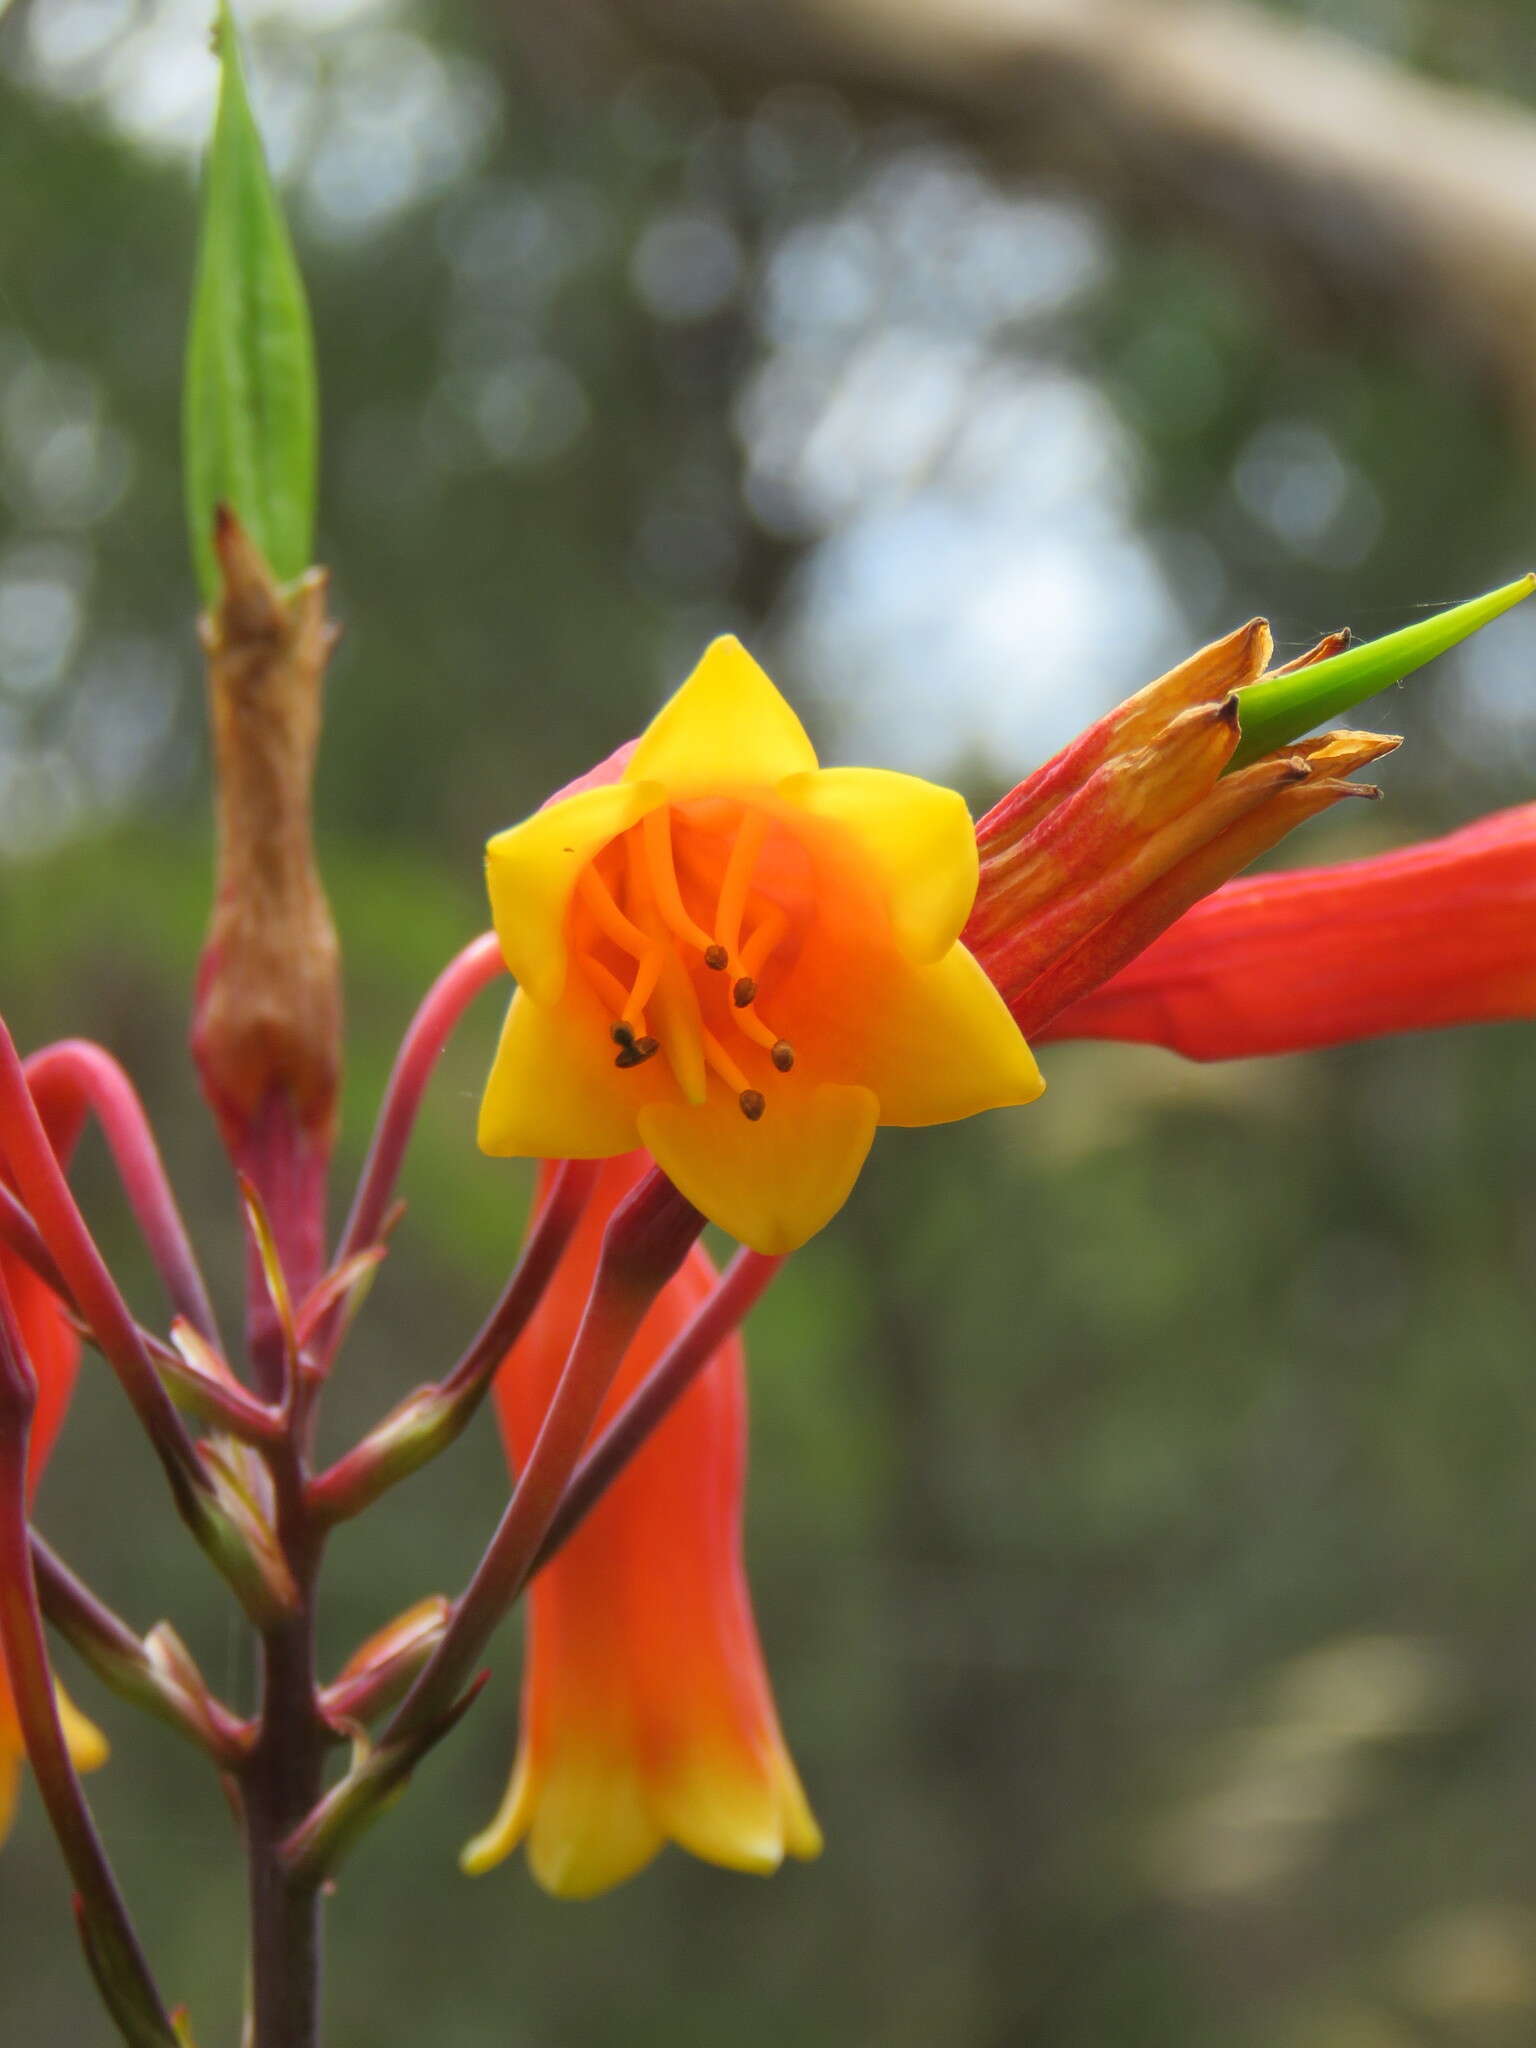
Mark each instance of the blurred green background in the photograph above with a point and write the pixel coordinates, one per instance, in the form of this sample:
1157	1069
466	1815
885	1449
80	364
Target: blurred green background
1142	1517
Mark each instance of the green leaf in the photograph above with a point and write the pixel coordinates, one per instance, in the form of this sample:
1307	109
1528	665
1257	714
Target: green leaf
1281	708
249	406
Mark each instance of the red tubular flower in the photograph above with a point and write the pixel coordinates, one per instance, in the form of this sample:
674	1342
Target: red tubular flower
1438	934
54	1350
647	1714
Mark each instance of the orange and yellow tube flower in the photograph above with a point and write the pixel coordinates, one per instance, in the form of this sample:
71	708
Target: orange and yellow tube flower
647	1714
743	962
54	1350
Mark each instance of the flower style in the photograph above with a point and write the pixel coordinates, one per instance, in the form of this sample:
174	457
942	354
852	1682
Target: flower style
647	1714
54	1351
742	962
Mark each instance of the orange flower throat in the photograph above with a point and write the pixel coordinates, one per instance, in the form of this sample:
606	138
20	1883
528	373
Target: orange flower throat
681	926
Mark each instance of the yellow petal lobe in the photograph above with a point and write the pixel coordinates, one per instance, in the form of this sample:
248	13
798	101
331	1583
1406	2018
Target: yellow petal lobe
948	1047
772	1183
588	1827
727	727
88	1747
554	1092
742	1812
915	836
532	870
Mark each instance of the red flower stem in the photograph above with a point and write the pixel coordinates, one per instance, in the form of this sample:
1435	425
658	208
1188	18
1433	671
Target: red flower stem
224	1403
363	1473
43	1188
112	1948
663	1387
444	1004
647	1239
122	1662
75	1066
25	1239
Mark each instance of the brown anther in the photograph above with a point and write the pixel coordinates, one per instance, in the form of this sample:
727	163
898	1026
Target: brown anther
783	1055
621	1034
744	991
1229	711
637	1052
715	957
752	1104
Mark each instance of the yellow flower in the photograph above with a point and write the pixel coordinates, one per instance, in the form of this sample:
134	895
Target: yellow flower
743	962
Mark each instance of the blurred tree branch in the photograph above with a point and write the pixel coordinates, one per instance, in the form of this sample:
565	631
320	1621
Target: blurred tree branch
1363	191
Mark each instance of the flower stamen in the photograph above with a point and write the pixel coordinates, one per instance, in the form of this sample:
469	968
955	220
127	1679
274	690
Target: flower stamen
752	1026
771	927
611	921
719	1060
657	829
732	900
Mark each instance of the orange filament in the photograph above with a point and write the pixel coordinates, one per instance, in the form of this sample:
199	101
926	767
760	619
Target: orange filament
657	828
719	1059
771	927
749	1023
750	1099
646	976
608	987
732	901
626	935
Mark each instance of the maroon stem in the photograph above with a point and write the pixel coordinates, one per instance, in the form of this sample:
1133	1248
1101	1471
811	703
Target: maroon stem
659	1392
647	1238
281	1783
88	1071
112	1947
25	1239
120	1660
356	1478
286	1160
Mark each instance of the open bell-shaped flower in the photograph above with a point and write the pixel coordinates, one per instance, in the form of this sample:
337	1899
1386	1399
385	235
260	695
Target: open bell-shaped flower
743	962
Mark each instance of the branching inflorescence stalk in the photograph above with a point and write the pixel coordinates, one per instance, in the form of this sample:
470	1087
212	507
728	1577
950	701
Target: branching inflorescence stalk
112	1947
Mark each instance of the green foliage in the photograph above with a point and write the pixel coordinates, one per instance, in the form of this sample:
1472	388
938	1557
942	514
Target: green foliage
250	407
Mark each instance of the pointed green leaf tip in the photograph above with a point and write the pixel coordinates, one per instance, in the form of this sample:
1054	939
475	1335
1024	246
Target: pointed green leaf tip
1281	708
249	406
